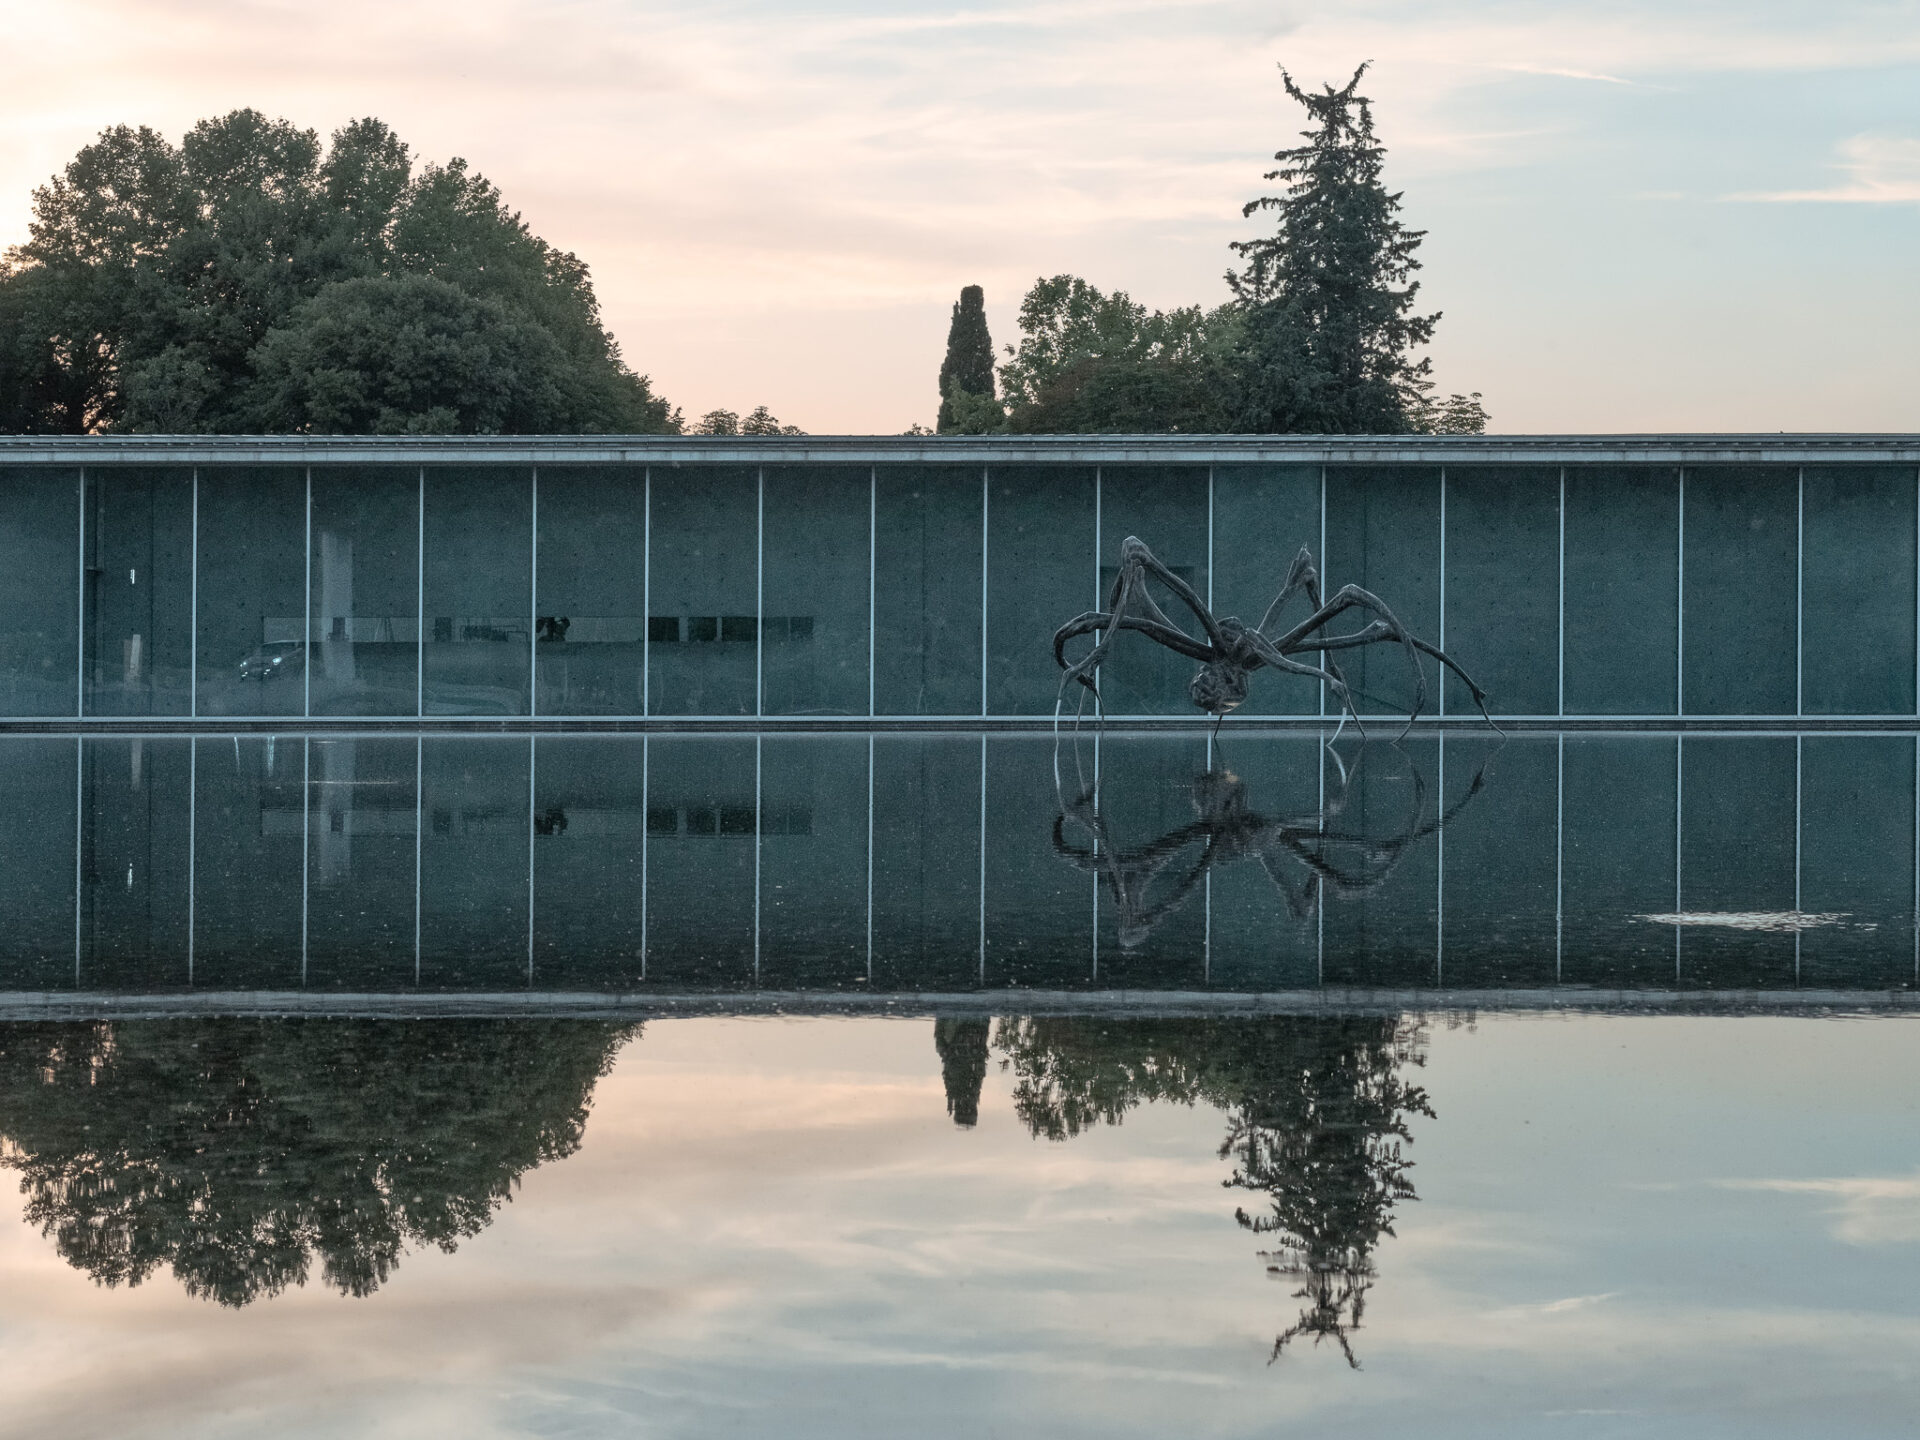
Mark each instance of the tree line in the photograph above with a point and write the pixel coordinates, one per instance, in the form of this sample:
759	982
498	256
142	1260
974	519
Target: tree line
1320	333
254	280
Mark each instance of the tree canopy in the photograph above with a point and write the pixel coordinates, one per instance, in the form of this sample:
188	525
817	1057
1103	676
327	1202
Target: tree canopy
252	280
966	374
1319	335
239	1152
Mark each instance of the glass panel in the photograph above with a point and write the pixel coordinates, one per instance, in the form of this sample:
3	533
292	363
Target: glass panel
1857	619
1041	888
37	845
926	862
1856	859
1736	855
253	582
133	863
1382	920
813	862
589	842
592	613
927	594
1742	572
814	626
1152	905
1501	803
1262	515
473	863
1041	573
247	854
1623	590
704	590
479	600
1383	534
700	872
1265	902
361	817
1503	587
366	591
39	591
1166	506
1617	859
139	592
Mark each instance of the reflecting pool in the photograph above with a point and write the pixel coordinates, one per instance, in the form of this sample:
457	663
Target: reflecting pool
962	1225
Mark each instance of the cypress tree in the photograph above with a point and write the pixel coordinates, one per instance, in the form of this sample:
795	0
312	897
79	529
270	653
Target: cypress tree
1328	298
968	366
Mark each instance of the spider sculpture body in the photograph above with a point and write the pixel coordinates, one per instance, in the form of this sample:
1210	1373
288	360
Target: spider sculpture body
1229	651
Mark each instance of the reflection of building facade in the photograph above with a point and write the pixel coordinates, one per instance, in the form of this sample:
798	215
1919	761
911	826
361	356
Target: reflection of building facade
920	580
927	862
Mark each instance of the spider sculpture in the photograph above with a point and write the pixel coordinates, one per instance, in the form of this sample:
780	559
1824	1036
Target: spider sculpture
1227	828
1229	652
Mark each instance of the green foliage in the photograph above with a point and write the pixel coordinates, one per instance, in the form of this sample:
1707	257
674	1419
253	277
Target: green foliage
184	289
966	372
1317	1110
962	1047
1328	297
728	422
238	1152
1091	363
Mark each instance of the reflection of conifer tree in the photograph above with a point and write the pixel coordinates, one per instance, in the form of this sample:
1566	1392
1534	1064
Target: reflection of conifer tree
962	1045
237	1151
1317	1111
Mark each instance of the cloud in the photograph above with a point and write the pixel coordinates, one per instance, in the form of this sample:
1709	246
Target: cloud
1880	170
1867	1210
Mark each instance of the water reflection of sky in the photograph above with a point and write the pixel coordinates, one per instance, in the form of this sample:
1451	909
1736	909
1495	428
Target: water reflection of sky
1667	1225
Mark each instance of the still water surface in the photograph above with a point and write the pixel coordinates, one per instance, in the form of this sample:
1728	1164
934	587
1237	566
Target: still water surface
1515	1224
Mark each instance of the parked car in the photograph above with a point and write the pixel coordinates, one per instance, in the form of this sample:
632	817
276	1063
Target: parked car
281	657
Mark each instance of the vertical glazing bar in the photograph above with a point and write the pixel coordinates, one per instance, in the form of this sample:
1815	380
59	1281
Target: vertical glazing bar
1209	556
420	635
1323	590
80	603
1797	743
756	860
419	806
873	582
1559	844
759	682
193	838
1916	859
80	827
193	608
1443	624
1916	614
533	605
1319	884
306	635
1099	704
646	606
533	760
306	835
1096	851
1560	665
1206	942
646	747
983	857
985	502
1440	870
1679	835
869	857
1679	639
1799	645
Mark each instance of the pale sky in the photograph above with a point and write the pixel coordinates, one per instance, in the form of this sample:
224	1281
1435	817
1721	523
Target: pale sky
1643	216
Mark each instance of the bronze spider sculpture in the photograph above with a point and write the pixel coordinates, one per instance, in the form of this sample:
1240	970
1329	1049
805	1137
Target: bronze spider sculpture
1229	651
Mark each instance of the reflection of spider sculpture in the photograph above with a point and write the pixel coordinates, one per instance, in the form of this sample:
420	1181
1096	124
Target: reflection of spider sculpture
1227	828
1230	652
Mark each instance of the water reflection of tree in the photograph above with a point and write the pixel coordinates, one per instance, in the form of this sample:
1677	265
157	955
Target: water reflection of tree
1317	1112
237	1152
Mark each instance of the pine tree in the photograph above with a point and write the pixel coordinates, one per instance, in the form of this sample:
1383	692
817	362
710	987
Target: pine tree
968	366
1329	297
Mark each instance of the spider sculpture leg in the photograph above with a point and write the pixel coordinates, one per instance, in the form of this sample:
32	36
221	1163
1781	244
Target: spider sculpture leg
1131	607
1385	629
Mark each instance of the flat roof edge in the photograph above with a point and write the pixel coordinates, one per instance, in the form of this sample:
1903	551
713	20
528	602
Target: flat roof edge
671	450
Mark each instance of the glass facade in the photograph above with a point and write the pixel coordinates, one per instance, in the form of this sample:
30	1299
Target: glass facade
924	591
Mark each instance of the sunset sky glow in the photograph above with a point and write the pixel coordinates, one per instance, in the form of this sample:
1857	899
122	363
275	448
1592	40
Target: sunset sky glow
1641	216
